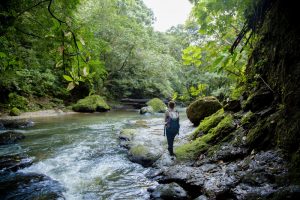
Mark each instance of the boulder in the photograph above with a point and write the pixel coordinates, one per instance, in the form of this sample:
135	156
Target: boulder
144	154
259	100
91	103
157	105
10	137
168	191
14	112
14	162
202	108
29	186
147	109
15	123
233	105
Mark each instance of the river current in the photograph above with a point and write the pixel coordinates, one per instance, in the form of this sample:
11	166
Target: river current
82	152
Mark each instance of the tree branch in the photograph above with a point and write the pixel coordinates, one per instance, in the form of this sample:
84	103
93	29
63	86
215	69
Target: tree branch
30	34
27	9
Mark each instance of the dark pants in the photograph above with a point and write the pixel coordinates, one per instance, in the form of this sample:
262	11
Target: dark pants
171	133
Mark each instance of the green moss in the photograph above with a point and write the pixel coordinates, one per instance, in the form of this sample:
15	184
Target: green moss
220	131
207	123
17	101
138	150
91	104
237	92
141	123
192	150
127	133
157	105
200	145
201	108
247	118
262	135
14	112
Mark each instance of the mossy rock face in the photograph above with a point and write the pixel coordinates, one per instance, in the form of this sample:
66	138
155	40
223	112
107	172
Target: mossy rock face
262	135
202	108
14	112
193	149
157	105
258	100
91	103
207	123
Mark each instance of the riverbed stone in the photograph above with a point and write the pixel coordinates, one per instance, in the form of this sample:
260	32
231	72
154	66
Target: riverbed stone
13	163
91	103
144	155
169	191
202	108
16	123
29	186
10	137
262	174
145	142
157	105
146	110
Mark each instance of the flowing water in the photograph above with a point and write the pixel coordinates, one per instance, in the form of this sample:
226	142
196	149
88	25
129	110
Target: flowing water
82	152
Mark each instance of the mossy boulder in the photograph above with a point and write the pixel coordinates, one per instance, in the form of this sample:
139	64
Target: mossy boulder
207	123
14	112
144	155
91	103
202	108
17	101
127	134
191	150
157	105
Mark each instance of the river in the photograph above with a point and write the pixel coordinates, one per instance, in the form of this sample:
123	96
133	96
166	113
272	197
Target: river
82	153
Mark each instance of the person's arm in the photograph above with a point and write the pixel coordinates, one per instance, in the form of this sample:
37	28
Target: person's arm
166	117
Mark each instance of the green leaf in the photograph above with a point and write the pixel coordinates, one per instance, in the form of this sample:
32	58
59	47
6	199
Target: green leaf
71	86
2	55
68	78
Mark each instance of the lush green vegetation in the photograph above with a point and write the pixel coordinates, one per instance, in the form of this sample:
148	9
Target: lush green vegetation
56	52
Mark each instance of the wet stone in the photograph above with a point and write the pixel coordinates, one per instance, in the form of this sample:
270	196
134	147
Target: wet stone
168	191
16	123
29	186
14	162
10	137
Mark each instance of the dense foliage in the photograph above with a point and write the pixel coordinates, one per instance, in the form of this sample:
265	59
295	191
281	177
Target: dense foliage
55	51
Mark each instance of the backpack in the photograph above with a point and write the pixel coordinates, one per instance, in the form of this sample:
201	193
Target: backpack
173	121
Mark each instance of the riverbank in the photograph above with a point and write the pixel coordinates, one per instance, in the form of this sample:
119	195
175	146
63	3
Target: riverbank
37	114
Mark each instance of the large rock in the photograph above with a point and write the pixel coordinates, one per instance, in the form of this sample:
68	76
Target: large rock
15	123
146	109
144	140
168	191
29	186
13	163
157	105
10	137
202	108
91	103
144	154
259	100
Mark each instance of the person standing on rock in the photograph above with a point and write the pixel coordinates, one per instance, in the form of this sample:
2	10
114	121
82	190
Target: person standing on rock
171	125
